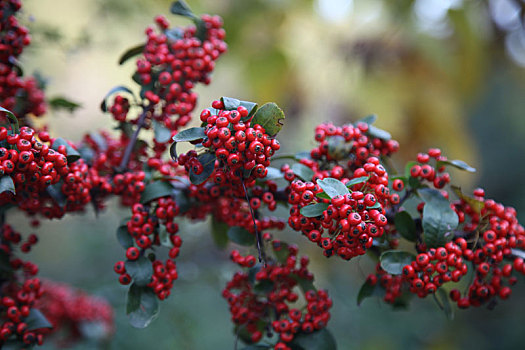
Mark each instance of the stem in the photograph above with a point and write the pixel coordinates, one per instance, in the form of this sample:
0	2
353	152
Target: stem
258	237
133	140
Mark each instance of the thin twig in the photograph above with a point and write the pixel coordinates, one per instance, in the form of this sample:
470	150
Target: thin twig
129	148
258	237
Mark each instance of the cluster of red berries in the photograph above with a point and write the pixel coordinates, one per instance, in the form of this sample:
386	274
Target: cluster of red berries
392	284
144	228
120	108
19	292
353	144
269	292
351	222
70	311
436	267
174	60
22	95
436	175
490	234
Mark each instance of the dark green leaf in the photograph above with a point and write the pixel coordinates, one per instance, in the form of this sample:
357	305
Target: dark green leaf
414	183
369	119
120	88
156	190
282	254
7	184
182	9
379	133
273	174
393	261
367	290
270	117
474	203
72	154
219	232
322	195
408	166
142	306
208	162
443	303
162	133
5	267
333	187
55	192
13	120
263	287
314	210
37	320
131	52
357	180
12	344
303	155
318	340
439	220
59	102
140	270
190	134
251	107
304	172
240	236
123	237
182	201
405	225
457	164
164	237
173	151
230	104
257	347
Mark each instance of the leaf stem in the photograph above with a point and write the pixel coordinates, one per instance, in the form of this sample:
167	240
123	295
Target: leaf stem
258	236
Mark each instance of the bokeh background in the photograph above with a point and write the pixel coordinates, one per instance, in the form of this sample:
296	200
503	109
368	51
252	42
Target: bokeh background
442	73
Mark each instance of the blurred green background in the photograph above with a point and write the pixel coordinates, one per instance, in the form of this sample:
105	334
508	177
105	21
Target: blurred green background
439	73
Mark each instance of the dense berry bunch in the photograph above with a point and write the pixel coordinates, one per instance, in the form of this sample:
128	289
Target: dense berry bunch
352	144
20	289
22	95
72	312
424	169
392	284
350	222
260	299
150	226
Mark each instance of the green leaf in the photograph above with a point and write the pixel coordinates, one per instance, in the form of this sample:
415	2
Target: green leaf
5	267
251	107
282	254
357	180
376	205
318	340
140	270
257	347
304	172
13	120
208	162
59	102
314	210
156	190
120	88
182	9
369	119
12	344
240	236
7	184
173	151
379	133
474	203
263	287
367	290
270	117
219	233
131	52
333	187
273	174
443	302
414	183
142	306
230	104
37	320
393	261
72	154
190	134
322	195
439	220
405	225
162	133
123	237
459	164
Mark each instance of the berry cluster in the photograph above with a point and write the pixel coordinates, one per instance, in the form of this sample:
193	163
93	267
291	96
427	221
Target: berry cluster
70	311
260	300
350	222
22	95
423	170
392	284
20	289
353	144
145	227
